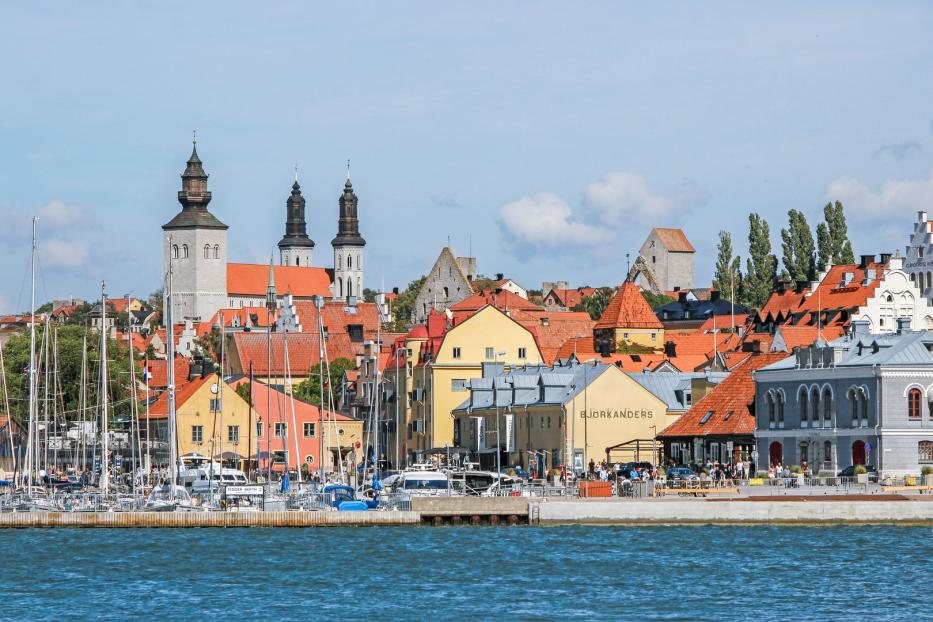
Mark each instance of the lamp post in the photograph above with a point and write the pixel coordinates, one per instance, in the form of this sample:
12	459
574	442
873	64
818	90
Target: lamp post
573	407
586	439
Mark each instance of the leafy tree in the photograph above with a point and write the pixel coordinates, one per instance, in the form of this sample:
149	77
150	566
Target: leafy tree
797	244
369	295
156	300
310	389
728	275
81	316
832	237
243	391
70	342
46	308
656	300
761	267
595	303
404	304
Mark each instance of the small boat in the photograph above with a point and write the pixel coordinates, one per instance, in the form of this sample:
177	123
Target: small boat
419	483
167	498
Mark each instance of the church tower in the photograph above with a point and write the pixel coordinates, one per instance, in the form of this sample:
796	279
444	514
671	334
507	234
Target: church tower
295	248
348	247
195	246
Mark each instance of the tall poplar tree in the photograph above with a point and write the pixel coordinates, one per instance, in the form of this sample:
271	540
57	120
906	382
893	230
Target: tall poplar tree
728	275
761	267
797	244
832	238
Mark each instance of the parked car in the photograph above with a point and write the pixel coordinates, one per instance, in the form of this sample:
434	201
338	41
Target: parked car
849	471
680	473
641	467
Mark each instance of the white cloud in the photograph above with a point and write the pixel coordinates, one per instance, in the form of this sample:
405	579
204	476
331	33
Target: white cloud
58	215
895	196
66	254
622	198
545	220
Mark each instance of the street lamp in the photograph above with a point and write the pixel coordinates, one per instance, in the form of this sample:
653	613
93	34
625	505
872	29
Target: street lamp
495	401
586	440
573	407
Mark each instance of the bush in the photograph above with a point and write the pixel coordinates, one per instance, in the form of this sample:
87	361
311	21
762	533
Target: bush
927	470
662	472
860	470
796	469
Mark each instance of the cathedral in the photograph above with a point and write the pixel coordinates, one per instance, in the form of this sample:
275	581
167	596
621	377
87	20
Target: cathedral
203	281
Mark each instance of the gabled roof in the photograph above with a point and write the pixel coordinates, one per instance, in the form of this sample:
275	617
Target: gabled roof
552	329
158	372
501	299
304	412
158	409
727	410
836	291
675	240
571	298
628	309
245	279
303	352
788	337
337	316
781	304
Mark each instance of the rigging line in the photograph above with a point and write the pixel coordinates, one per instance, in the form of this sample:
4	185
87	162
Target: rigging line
45	291
22	285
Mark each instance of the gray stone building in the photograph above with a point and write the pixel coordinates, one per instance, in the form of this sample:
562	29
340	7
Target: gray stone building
449	282
670	255
348	247
861	399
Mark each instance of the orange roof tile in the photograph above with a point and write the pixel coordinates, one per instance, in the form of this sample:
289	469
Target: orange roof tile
832	294
552	329
303	352
732	404
501	299
628	309
337	318
571	298
159	408
722	321
675	240
158	372
805	335
246	279
702	343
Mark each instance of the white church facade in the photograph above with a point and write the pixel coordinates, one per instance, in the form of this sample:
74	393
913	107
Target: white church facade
203	281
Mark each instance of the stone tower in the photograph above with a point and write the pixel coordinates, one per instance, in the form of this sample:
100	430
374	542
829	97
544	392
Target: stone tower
295	248
195	245
348	247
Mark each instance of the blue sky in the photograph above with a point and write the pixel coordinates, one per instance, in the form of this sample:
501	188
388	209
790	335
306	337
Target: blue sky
550	137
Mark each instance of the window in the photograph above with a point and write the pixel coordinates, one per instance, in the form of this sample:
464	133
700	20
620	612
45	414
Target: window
359	262
489	353
706	417
772	412
309	459
456	353
233	433
356	332
349	262
624	335
259	429
174	251
803	409
458	384
653	259
279	457
814	408
914	401
548	422
780	409
197	434
827	451
925	451
184	251
217	252
281	429
654	336
522	353
309	429
827	408
215	405
207	251
920	252
446	293
688	398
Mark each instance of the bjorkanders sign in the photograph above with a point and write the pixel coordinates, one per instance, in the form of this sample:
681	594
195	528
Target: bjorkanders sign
625	413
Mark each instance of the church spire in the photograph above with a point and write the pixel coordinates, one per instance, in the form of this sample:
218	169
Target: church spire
295	247
194	197
348	225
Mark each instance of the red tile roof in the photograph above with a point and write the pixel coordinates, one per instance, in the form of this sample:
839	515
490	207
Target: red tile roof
158	372
119	304
337	317
702	343
779	306
675	240
303	352
552	329
246	279
257	316
832	294
571	298
159	408
732	404
805	335
628	309
722	321
501	299
630	362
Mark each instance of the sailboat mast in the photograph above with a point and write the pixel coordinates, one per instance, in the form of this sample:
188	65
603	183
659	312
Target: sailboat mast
82	406
134	408
6	408
32	437
104	407
170	368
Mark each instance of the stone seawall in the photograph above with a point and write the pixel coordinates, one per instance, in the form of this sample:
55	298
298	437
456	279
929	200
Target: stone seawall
205	519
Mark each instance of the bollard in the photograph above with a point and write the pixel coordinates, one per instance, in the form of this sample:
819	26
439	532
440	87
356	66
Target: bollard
494	519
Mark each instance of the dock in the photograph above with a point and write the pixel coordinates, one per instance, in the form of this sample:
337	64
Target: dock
206	519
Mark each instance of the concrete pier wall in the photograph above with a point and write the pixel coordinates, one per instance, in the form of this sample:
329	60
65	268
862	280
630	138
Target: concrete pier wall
205	519
729	512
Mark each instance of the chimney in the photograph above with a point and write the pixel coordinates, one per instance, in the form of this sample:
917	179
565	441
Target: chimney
670	349
677	288
885	258
604	349
781	287
681	297
499	276
753	346
865	260
799	286
714	295
860	328
395	291
903	325
922	216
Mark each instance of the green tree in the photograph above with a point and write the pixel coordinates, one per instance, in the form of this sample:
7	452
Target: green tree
243	391
310	389
797	244
832	238
404	304
761	267
595	303
156	299
656	300
81	316
369	295
728	275
69	345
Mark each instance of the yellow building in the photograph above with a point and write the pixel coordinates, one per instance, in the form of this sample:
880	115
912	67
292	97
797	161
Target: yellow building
445	363
541	412
204	428
628	321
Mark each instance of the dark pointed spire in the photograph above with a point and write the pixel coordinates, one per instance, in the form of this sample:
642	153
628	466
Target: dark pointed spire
296	228
348	225
271	296
194	197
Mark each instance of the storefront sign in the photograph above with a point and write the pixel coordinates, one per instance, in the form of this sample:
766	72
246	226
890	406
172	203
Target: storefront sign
625	413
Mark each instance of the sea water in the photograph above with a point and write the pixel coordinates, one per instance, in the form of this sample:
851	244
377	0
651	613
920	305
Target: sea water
472	573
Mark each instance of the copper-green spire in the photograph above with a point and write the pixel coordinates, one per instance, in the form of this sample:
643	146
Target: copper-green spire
271	296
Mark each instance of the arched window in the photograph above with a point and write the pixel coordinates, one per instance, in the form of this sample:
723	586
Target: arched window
914	404
446	293
297	262
929	280
776	453
207	251
827	452
174	251
339	287
349	262
780	409
359	286
349	287
853	403
184	251
339	262
804	410
216	251
827	408
863	398
359	262
814	408
772	415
